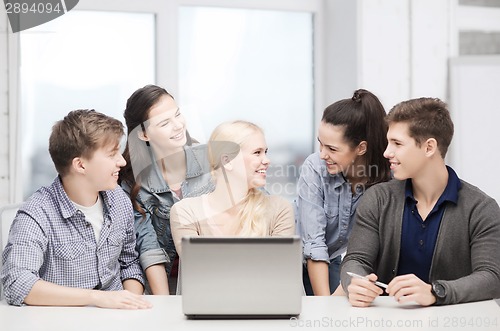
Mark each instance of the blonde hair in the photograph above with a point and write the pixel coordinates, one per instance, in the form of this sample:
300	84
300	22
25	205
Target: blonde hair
226	141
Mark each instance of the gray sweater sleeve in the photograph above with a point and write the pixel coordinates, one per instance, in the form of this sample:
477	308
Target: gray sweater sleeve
471	273
364	242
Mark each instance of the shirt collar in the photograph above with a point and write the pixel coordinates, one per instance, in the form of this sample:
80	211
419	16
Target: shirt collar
454	185
193	164
156	182
67	207
336	180
450	193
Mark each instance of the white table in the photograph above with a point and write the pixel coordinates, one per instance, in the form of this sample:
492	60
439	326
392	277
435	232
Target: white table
317	313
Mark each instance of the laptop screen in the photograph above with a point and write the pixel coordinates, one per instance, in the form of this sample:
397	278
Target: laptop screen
241	276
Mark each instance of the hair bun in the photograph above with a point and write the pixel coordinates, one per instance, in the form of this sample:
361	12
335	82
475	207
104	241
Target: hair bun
356	96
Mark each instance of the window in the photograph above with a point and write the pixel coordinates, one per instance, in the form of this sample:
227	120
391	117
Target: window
484	3
69	64
267	68
478	25
255	65
479	43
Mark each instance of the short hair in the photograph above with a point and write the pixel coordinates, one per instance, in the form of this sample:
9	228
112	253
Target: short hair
426	118
80	134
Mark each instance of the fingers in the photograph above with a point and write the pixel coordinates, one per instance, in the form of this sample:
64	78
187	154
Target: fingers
402	294
362	292
121	300
398	283
410	288
404	281
134	301
137	302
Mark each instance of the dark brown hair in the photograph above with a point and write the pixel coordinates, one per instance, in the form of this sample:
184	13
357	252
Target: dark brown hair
136	115
363	117
426	118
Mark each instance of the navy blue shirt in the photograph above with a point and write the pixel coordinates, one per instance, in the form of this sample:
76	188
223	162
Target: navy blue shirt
418	237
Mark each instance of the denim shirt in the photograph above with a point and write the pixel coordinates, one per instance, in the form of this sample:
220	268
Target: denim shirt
154	238
324	210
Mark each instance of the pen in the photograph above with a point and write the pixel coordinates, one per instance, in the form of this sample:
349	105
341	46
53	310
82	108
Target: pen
352	274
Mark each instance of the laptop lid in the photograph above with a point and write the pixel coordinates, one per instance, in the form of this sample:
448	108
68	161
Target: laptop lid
241	277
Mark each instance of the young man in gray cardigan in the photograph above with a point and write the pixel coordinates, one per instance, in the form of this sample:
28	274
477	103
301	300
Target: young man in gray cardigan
433	238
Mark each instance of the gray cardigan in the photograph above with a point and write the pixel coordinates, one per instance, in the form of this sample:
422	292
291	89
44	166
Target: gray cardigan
466	258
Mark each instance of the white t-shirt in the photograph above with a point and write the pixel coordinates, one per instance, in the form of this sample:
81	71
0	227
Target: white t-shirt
94	215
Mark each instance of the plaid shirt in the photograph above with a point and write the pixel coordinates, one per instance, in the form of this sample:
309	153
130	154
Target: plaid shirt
51	240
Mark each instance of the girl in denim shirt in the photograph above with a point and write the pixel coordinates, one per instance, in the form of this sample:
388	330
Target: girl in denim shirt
352	140
162	168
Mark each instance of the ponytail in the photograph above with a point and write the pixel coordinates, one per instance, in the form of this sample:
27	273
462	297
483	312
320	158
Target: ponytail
376	137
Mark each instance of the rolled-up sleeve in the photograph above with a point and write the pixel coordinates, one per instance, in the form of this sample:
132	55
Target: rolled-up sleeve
310	213
150	252
22	258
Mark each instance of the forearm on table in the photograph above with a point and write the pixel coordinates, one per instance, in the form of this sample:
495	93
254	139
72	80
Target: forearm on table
44	293
133	285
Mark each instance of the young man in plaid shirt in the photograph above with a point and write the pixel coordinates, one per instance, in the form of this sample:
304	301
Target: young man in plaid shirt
73	243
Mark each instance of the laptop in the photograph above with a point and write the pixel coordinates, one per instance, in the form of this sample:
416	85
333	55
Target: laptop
241	277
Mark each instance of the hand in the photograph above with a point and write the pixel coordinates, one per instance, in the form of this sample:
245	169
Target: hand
119	299
409	287
362	292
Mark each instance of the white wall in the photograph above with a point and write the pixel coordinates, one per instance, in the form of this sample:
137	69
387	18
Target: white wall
4	115
396	49
431	35
404	48
385	49
475	82
342	50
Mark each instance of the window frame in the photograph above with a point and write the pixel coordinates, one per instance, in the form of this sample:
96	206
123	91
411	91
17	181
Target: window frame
471	18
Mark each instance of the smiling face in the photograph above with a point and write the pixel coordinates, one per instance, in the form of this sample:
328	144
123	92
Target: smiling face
256	162
102	168
333	148
166	127
405	156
